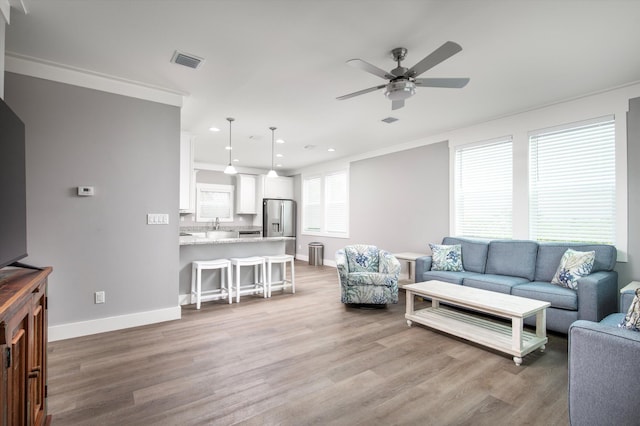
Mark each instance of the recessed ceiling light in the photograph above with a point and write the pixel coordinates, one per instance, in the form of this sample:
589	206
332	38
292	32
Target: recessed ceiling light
280	141
214	129
235	160
331	150
278	165
279	155
228	148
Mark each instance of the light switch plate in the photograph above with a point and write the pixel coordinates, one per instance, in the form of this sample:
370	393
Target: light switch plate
157	219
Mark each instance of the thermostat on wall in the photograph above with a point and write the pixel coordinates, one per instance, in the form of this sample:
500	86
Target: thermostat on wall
85	191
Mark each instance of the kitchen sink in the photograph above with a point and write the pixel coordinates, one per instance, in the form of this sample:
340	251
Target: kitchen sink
217	235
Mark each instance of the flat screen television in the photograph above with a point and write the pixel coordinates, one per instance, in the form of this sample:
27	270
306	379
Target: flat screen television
13	199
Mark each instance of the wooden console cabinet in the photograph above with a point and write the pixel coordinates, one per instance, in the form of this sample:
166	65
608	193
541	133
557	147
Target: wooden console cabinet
23	343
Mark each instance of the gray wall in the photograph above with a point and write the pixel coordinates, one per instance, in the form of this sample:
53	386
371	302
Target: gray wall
129	150
399	202
630	271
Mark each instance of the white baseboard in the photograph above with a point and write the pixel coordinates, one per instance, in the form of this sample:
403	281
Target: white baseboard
102	325
326	262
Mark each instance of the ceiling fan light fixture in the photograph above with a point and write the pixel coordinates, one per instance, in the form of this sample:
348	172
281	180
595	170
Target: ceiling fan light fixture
272	173
230	170
400	90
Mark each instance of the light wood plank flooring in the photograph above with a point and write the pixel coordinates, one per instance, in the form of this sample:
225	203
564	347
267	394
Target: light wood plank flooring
297	360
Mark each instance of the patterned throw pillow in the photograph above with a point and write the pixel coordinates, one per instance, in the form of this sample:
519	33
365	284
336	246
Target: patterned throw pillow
573	266
631	321
362	258
446	258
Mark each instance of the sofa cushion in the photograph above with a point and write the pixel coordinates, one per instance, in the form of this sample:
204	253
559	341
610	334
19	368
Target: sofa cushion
446	257
613	320
497	283
516	258
549	255
447	276
559	297
573	266
474	253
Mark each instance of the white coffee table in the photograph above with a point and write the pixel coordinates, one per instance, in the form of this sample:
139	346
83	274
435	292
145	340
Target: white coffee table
493	334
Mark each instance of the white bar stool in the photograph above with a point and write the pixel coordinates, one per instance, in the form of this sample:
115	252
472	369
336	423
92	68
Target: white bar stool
196	280
280	285
258	266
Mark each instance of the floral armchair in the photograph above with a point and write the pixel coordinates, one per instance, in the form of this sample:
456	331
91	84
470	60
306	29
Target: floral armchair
368	275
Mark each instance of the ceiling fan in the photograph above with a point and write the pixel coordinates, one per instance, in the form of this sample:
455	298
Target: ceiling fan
402	81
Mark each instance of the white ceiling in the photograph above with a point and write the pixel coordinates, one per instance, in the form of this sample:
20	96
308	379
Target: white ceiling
282	63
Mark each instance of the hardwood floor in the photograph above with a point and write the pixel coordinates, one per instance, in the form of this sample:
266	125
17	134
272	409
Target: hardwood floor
297	360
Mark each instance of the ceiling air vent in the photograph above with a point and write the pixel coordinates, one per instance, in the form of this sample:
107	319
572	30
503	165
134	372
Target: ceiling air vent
186	59
389	120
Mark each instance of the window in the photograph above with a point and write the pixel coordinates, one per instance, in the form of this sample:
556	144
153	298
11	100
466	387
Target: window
312	204
483	189
572	185
325	204
336	203
214	201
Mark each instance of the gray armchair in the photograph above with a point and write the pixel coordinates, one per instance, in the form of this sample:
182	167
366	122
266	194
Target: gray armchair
368	275
604	370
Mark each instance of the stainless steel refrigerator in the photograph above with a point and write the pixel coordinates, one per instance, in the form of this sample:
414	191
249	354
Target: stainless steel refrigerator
279	220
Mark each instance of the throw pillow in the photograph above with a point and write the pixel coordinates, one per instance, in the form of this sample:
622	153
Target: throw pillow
631	321
446	258
573	266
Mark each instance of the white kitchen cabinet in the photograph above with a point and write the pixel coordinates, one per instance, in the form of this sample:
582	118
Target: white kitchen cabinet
187	175
246	199
278	187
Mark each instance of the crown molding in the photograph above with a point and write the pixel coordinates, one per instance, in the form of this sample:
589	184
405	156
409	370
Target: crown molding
48	70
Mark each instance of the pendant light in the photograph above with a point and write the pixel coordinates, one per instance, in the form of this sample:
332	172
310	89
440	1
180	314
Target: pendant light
230	170
272	172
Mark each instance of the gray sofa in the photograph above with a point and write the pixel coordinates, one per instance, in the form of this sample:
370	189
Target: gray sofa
604	370
525	268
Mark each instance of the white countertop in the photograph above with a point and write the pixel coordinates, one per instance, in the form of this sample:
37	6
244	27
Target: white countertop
191	240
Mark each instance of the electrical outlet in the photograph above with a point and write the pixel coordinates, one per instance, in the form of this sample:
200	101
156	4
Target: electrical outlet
99	297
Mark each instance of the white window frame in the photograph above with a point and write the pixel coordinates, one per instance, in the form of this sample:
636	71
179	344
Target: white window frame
520	125
225	190
324	205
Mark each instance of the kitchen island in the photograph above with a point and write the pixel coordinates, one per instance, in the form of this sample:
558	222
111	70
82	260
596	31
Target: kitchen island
202	248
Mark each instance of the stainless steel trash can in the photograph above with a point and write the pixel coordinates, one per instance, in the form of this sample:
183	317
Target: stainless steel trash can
316	254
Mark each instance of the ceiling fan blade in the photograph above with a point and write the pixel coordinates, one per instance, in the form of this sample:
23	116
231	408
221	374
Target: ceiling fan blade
453	83
397	104
360	92
372	69
442	53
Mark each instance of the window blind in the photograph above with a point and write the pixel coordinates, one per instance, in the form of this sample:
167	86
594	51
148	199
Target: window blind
336	202
572	194
483	189
312	207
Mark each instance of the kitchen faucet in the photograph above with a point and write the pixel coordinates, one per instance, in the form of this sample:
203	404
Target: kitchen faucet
217	225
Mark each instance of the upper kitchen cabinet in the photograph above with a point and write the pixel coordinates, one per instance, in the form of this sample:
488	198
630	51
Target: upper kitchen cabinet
187	175
246	194
278	187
